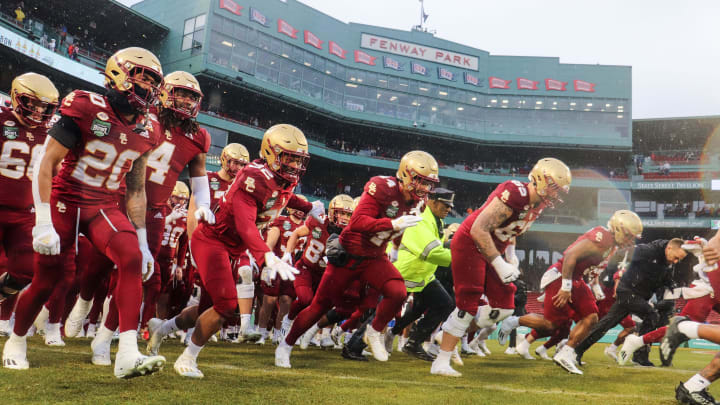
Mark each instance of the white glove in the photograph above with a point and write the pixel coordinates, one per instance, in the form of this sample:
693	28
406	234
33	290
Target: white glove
405	221
287	258
393	255
506	271
511	257
148	263
177	213
265	276
318	211
204	214
598	292
279	268
45	240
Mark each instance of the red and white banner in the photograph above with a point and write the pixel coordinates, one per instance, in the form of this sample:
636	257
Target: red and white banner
336	49
418	51
581	85
313	40
498	83
552	84
362	57
231	6
287	29
526	84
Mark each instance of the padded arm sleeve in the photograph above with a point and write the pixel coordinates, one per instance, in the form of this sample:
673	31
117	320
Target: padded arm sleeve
201	190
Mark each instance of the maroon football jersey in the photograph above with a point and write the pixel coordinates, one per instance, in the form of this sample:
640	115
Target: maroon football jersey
370	226
515	195
165	163
255	183
314	251
218	187
21	146
171	235
594	264
287	226
94	169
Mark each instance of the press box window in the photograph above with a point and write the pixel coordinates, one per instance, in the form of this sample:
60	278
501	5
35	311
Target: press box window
193	32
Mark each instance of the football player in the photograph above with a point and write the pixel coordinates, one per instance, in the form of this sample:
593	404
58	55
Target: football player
477	247
565	288
278	292
312	262
99	139
388	206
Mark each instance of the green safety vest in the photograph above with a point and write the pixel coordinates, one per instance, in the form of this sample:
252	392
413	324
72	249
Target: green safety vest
421	252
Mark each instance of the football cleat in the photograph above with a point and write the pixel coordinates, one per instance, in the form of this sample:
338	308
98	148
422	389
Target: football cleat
100	352
524	352
41	320
673	338
327	342
5	328
402	341
285	327
282	355
91	330
375	343
186	366
632	343
307	337
483	347
443	369
416	350
507	326
14	354
261	341
565	358
466	349
701	397
541	351
511	351
612	353
52	335
351	355
389	340
156	337
251	335
134	364
74	321
432	348
456	359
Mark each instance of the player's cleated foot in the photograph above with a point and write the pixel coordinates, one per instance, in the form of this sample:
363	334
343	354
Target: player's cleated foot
432	348
285	327
41	320
261	341
74	321
52	335
612	353
156	337
5	328
483	347
134	364
282	355
91	330
186	366
507	326
693	398
351	355
632	343
416	350
100	352
327	342
374	340
673	338
444	370
510	351
251	335
541	351
389	340
456	359
524	353
14	354
565	358
336	336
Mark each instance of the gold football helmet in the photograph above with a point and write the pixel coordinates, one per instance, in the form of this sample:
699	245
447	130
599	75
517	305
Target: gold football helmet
356	201
34	99
233	158
626	226
341	204
184	105
418	173
180	194
550	177
297	213
285	151
136	72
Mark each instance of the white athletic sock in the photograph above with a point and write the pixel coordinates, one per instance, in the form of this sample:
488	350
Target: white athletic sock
689	329
245	323
444	357
523	346
128	341
168	327
104	334
192	350
696	383
264	333
16	339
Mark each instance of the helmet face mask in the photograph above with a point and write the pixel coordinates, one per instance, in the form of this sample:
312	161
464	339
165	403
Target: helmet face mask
234	157
418	174
340	210
180	92
285	151
176	201
292	165
135	72
34	99
551	179
34	111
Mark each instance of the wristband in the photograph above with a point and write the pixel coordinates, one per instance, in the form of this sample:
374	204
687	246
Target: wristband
142	237
566	285
42	214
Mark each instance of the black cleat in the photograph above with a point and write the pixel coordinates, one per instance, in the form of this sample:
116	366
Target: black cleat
673	338
417	351
693	398
350	355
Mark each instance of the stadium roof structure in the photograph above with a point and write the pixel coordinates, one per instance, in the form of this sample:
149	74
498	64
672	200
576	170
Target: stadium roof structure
115	23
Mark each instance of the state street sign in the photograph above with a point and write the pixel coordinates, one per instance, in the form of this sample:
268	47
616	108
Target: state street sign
417	51
669	185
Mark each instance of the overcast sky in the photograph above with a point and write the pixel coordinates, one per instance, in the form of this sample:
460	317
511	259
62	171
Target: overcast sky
672	46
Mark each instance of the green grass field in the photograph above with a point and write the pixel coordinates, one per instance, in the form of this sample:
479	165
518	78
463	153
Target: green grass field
245	374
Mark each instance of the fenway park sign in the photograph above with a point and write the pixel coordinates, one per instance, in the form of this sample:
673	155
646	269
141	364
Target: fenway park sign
418	51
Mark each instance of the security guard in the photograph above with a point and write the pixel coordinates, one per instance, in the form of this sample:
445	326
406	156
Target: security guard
422	250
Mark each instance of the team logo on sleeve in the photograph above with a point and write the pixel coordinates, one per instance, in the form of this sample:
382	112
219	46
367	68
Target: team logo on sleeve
316	233
10	130
100	128
286	225
270	202
392	210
